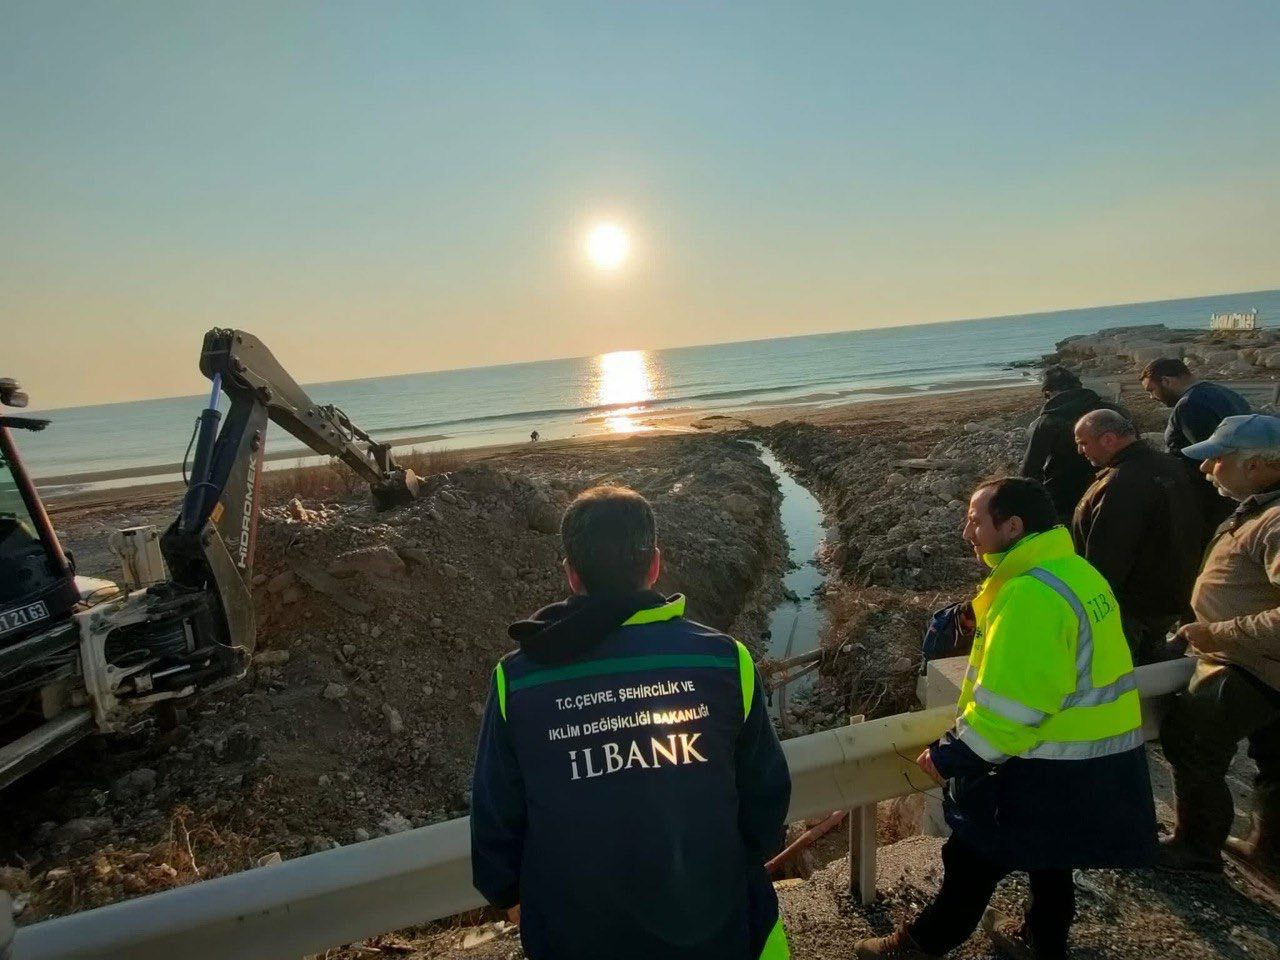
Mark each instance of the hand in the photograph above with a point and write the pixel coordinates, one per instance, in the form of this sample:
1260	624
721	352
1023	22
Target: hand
1195	634
925	763
513	915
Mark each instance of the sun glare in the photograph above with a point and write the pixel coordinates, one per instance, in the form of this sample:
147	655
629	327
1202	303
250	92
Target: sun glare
624	381
608	246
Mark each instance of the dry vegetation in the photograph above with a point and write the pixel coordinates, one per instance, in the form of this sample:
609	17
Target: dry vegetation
335	480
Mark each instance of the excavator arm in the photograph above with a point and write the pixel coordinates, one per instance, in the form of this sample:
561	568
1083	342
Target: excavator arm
209	548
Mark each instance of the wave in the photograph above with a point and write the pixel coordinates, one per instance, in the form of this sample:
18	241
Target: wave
589	410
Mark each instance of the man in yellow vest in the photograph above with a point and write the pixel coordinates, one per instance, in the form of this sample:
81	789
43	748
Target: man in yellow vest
1045	769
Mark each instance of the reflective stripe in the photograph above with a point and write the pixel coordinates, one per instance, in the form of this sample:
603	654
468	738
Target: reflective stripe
979	744
668	611
500	681
1009	709
776	948
746	677
1100	695
1086	749
1084	628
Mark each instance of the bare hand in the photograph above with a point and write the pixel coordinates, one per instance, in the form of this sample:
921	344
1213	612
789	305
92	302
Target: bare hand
1196	634
513	915
925	763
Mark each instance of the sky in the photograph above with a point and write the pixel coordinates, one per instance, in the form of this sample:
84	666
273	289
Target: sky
379	188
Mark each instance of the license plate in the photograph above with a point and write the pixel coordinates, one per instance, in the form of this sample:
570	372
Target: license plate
18	617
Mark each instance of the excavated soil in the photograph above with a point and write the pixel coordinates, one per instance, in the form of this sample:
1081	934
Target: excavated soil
377	637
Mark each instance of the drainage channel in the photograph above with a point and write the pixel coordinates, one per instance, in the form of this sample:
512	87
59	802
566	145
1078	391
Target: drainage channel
796	622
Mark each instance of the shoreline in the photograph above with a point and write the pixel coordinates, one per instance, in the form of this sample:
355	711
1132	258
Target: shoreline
673	420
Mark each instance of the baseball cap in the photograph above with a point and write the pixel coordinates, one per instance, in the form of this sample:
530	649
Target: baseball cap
1252	431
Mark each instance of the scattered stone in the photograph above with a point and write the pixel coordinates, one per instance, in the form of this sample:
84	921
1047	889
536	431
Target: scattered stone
281	582
134	784
271	658
334	691
362	835
272	859
81	828
394	823
378	561
394	723
348	650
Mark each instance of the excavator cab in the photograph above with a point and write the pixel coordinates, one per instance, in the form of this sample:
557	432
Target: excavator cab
37	585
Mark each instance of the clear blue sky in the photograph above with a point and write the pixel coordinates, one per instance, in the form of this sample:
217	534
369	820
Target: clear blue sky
387	187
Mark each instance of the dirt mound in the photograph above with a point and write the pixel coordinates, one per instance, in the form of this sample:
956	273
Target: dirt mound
377	637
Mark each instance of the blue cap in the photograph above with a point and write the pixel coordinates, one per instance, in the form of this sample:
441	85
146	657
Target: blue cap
1252	431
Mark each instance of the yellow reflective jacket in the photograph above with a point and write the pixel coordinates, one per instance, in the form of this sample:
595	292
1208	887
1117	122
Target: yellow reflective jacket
1050	675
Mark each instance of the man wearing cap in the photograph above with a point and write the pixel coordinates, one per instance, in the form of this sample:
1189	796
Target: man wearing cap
1235	691
1052	457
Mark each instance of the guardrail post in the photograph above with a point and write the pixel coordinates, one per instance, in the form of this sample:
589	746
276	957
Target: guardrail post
862	848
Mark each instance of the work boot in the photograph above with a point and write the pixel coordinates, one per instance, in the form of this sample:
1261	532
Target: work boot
897	946
1175	853
1011	936
1261	848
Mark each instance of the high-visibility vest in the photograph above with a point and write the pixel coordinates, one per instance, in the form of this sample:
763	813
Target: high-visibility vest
1050	674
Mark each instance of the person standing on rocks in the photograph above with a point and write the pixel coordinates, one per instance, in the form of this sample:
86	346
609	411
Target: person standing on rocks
1139	524
1052	457
1045	768
1234	693
629	786
1198	406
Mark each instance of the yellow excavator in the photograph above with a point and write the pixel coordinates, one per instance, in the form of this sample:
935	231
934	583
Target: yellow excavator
80	655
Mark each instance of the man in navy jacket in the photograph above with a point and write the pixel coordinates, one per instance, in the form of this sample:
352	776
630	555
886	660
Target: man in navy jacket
629	786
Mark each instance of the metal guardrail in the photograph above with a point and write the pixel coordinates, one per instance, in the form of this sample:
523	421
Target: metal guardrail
310	904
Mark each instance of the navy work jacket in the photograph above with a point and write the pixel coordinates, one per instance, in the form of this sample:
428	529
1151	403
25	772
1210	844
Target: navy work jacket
629	786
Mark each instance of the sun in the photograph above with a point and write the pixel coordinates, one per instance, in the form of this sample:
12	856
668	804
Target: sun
608	246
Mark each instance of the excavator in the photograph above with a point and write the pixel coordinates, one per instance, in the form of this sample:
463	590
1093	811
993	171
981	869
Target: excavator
81	655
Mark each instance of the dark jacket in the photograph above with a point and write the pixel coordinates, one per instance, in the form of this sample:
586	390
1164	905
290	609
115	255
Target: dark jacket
1052	457
629	786
1194	418
1141	526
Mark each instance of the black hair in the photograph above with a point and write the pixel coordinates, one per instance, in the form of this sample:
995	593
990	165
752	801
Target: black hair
1020	497
609	535
1165	367
1058	378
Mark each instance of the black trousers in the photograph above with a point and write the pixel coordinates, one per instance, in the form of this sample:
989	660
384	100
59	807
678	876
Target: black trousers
1200	734
968	881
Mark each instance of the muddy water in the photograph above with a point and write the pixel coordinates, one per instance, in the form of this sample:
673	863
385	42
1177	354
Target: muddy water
796	622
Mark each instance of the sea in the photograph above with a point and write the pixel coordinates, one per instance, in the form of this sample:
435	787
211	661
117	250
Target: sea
617	392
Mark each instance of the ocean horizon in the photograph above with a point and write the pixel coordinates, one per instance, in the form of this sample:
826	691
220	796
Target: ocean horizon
616	392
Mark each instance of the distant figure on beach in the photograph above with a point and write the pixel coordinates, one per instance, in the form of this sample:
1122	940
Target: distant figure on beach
1234	694
629	786
1052	457
1045	767
1139	524
1198	408
533	437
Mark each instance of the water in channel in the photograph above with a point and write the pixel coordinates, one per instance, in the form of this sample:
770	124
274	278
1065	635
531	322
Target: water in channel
796	622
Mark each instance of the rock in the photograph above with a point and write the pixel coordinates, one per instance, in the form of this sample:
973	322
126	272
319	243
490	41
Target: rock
394	723
362	834
134	784
379	561
299	512
81	828
894	480
238	743
334	691
271	658
541	514
394	823
272	859
348	650
449	570
902	665
739	506
281	582
258	579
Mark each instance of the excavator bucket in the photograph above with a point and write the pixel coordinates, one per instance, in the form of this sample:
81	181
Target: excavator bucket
401	488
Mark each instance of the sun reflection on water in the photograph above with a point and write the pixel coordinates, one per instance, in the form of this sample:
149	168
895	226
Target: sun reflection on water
624	380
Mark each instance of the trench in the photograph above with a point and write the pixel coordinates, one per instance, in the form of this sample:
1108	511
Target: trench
795	624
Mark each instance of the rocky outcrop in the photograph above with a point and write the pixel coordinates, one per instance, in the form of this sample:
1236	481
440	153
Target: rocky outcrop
1126	350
